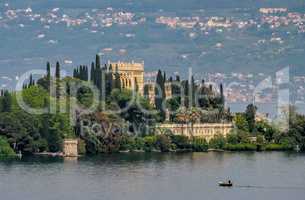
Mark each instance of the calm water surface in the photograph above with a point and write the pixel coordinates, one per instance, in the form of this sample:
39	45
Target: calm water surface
156	176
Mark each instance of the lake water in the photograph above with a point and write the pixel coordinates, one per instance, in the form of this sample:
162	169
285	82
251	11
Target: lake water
156	176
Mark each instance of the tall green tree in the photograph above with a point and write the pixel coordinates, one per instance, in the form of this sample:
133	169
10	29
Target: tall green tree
97	61
32	82
160	94
109	80
192	92
6	102
146	91
240	122
117	80
48	71
45	81
222	97
92	71
250	116
57	71
57	79
185	85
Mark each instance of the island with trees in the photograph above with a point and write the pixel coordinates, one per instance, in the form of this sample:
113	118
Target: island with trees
132	124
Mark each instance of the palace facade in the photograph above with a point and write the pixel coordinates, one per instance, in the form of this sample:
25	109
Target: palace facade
151	93
201	130
131	74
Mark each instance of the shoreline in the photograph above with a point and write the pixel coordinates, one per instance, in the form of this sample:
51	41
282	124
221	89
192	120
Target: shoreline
60	154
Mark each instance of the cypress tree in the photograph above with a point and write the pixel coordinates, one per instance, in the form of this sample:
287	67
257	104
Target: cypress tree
185	96
45	81
74	73
6	102
57	71
222	98
146	91
92	71
48	71
31	81
97	61
117	81
99	78
175	87
57	93
81	72
192	91
109	80
160	94
86	72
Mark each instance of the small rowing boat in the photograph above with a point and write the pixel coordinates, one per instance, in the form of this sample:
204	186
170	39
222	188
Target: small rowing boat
225	184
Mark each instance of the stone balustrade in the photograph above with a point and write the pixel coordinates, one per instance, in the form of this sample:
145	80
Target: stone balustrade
203	130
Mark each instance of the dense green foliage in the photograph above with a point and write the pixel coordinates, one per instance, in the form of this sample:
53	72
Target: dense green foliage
34	133
218	142
5	149
81	73
241	147
199	145
189	96
250	116
267	135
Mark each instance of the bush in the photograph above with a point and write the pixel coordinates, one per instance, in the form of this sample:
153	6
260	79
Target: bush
277	147
199	145
232	138
139	144
243	137
163	143
180	141
241	147
81	147
289	143
40	145
149	143
260	139
5	148
218	142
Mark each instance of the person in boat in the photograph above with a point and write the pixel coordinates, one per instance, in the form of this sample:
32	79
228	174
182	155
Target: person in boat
230	182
